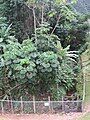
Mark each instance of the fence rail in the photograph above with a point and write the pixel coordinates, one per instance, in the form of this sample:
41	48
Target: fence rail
28	107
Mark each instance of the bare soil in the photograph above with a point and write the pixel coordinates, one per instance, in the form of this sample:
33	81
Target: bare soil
63	116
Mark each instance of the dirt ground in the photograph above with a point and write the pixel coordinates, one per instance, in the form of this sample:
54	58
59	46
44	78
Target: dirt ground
40	117
69	116
61	116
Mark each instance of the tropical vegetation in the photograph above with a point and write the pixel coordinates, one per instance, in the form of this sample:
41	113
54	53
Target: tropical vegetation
40	47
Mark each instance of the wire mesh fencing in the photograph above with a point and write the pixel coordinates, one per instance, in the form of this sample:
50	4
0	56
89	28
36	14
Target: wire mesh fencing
39	107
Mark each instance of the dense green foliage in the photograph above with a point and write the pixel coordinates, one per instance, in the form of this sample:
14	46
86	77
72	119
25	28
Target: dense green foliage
18	15
71	27
37	58
34	65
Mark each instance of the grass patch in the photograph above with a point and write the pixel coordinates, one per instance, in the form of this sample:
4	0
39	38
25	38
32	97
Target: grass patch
87	97
86	117
85	57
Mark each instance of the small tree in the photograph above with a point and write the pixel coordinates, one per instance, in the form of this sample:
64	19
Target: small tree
36	66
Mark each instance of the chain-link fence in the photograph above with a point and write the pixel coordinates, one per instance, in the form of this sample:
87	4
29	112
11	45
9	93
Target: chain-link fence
28	107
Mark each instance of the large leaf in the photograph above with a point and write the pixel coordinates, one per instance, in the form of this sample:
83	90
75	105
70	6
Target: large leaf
1	40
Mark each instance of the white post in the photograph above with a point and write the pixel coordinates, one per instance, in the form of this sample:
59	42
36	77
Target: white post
12	107
62	104
34	107
84	89
2	107
21	105
77	102
49	102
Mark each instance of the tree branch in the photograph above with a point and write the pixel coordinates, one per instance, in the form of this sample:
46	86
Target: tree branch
12	89
56	24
